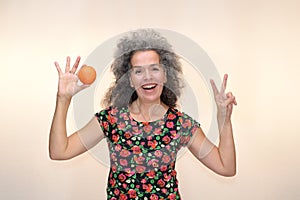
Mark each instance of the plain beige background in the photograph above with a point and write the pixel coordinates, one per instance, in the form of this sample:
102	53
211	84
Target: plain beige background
256	42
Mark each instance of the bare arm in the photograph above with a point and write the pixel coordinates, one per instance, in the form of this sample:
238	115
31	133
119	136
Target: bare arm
61	146
221	159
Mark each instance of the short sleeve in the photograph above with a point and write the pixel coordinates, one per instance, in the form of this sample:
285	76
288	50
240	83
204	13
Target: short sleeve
107	119
102	118
187	129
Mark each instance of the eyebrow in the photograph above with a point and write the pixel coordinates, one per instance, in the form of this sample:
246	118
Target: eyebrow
138	66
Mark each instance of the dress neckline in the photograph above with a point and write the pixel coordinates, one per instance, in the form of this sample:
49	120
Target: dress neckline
163	118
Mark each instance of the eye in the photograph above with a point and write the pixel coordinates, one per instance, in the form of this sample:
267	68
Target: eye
137	70
155	67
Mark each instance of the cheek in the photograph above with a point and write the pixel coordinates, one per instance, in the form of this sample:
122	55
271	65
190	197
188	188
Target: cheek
162	79
134	82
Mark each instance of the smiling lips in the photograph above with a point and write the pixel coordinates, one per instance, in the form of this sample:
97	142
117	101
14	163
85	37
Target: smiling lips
149	86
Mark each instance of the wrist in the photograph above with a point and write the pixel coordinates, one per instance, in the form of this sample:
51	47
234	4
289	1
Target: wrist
63	99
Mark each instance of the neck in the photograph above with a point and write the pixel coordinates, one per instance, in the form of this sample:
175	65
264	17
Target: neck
150	111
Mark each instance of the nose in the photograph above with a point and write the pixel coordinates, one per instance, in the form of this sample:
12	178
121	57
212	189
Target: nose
147	74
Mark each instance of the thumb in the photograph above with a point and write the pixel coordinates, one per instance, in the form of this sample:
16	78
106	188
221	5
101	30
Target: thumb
84	86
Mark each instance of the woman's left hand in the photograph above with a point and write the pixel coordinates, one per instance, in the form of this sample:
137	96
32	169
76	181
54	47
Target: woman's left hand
224	101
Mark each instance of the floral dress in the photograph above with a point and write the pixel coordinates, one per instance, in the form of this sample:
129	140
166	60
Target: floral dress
143	154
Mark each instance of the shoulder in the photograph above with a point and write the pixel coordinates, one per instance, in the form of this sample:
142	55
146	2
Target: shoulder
183	117
179	113
110	111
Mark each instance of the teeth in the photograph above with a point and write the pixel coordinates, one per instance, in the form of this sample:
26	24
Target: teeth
149	86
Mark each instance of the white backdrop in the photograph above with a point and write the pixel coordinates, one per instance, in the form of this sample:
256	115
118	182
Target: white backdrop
256	42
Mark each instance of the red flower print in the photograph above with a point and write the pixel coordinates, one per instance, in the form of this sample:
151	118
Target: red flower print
152	144
187	123
172	196
158	153
105	125
128	172
121	125
164	190
117	191
124	116
147	187
160	183
112	119
147	128
112	182
122	177
136	149
129	142
166	159
133	123
153	197
170	124
124	153
123	197
139	160
171	116
166	139
185	139
113	111
132	193
167	177
179	114
113	157
153	163
127	135
115	138
114	168
180	120
172	165
118	147
140	168
151	174
123	162
157	131
174	134
173	173
135	130
163	168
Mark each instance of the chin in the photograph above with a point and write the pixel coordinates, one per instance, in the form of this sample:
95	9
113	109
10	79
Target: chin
150	96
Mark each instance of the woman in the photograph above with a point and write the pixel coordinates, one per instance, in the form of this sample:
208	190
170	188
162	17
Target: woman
140	122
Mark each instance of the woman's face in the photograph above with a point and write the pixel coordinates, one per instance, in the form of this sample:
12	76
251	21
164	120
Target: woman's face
147	76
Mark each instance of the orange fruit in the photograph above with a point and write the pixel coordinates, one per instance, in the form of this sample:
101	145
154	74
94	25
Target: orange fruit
87	74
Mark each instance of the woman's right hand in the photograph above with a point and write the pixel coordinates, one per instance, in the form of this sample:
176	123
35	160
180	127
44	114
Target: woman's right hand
68	80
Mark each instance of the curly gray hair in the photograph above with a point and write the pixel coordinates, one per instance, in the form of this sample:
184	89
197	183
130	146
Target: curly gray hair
121	94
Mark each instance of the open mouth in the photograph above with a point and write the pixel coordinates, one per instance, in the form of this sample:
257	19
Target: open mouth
149	86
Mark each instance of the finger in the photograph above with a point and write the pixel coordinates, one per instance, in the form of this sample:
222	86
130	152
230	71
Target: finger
224	83
68	65
58	68
84	86
229	110
76	64
214	87
230	99
234	101
230	95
